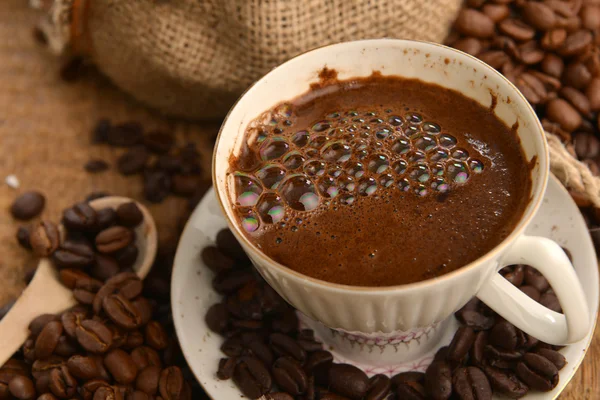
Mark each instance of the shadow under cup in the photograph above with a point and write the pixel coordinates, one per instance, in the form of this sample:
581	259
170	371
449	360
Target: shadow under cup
401	322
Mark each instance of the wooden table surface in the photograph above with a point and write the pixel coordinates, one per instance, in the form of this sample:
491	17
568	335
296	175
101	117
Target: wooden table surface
44	141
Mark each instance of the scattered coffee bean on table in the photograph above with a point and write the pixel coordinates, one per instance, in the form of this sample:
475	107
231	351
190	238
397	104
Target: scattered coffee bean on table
94	166
265	352
28	205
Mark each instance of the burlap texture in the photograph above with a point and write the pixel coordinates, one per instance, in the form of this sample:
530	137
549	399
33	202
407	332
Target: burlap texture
193	58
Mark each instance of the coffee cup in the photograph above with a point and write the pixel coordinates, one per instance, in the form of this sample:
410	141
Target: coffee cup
406	321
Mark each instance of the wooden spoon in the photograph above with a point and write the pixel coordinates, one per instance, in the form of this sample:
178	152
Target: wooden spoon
46	295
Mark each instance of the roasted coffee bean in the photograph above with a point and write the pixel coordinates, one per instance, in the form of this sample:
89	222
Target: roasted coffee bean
127	284
379	387
410	391
461	343
495	59
586	145
280	396
506	383
80	217
538	372
576	43
560	111
477	355
48	339
72	254
552	65
65	347
184	185
22	388
134	339
496	12
530	291
113	239
410	376
88	388
147	380
133	161
105	218
69	276
475	319
577	75
498	353
99	133
577	99
514	275
39	322
226	368
93	336
121	366
553	356
171	384
438	380
47	396
159	142
28	205
23	237
129	215
229	245
108	393
504	335
471	383
127	256
157	185
536	279
43	367
126	134
95	166
104	267
474	23
261	351
553	40
85	290
593	93
284	345
516	29
121	311
469	45
82	367
289	376
144	356
318	365
348	381
230	281
71	319
144	309
62	384
138	395
310	345
44	238
539	15
156	336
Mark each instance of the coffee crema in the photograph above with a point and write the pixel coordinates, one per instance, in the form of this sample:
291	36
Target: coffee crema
378	181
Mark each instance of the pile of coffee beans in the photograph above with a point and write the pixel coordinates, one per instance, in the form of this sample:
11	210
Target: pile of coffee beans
268	355
118	342
165	168
550	50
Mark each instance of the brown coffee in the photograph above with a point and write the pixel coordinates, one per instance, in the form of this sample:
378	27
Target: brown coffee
379	181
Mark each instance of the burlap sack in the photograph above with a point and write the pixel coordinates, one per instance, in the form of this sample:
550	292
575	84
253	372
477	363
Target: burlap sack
193	58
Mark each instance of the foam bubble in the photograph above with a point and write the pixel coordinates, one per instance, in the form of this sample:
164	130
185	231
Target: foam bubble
270	208
424	142
293	160
400	167
414	118
328	187
460	154
457	172
355	169
346	183
336	152
419	173
271	175
335	171
249	220
476	166
367	186
383	133
395	120
403	185
247	188
314	168
378	163
347	199
299	193
432	128
401	146
415	156
386	180
440	185
447	141
301	138
420	190
438	154
321	126
273	148
318	141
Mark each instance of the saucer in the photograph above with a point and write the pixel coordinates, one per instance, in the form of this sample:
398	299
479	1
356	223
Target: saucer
192	294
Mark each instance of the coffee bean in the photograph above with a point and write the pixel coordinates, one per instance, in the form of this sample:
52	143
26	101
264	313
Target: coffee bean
134	339
147	380
107	393
349	381
538	372
93	336
576	43
475	319
470	45
23	237
121	366
138	395
461	343
230	281
129	215
126	134
539	15
82	367
438	380
38	323
553	40
529	53
506	383
496	12
104	267
216	260
105	218
142	305
516	29
532	88
48	339
127	256
62	384
44	238
504	335
85	290
536	279
284	345
69	276
47	396
80	217
72	254
184	185
379	387
410	391
95	166
229	245
558	110
471	383
144	356
100	131
159	142
577	99
531	292
157	185
586	145
495	59
28	205
171	384
113	239
474	23
553	356
21	387
226	368
593	94
318	365
121	311
156	336
577	75
280	396
514	275
552	65
590	17
133	161
289	376
261	351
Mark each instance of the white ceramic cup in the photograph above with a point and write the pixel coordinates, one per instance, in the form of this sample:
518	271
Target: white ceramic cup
404	321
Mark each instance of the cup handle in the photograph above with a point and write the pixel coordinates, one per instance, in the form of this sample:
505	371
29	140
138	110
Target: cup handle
530	316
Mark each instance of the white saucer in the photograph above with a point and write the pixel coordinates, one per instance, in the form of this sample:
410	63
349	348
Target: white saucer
192	293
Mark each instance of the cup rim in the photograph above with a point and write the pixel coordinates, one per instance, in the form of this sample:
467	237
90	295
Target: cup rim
536	198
